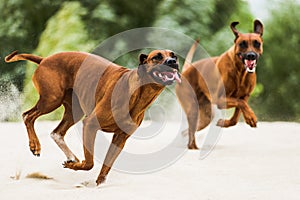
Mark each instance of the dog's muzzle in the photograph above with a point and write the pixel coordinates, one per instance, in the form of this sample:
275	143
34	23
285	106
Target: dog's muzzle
167	73
249	60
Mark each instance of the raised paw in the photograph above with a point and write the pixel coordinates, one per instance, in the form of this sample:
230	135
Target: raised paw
225	123
78	165
35	148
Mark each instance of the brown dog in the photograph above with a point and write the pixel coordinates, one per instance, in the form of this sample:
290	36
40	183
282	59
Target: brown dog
110	97
226	81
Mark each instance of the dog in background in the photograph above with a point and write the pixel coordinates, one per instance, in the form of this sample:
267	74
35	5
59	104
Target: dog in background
226	81
107	96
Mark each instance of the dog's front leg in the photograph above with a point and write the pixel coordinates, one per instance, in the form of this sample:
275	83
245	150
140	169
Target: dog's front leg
248	113
241	104
115	148
232	121
249	116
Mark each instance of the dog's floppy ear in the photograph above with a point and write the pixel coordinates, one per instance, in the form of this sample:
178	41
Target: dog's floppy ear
258	27
143	58
234	30
142	68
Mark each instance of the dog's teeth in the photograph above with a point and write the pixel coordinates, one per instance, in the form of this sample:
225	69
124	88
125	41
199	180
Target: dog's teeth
159	75
169	78
177	78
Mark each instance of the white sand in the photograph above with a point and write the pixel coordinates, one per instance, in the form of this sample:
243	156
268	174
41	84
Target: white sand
261	163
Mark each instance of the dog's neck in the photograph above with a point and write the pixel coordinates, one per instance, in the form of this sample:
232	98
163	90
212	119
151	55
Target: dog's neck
146	84
144	92
130	99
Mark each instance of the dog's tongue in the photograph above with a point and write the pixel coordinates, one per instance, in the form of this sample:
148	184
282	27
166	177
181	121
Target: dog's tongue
177	78
250	64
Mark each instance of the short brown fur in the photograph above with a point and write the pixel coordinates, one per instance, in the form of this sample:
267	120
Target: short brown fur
224	80
109	97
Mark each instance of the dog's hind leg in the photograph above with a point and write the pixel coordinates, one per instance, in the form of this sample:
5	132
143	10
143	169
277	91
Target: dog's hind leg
44	105
198	118
192	118
205	113
188	100
73	113
90	127
191	110
51	97
29	118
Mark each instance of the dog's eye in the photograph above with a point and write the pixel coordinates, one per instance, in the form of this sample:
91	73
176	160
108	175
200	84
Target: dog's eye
243	45
172	54
157	57
256	44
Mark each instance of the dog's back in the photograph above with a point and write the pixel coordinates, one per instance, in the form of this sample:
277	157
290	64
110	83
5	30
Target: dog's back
202	75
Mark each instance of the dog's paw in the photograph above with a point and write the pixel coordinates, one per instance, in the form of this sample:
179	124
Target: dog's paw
225	123
251	120
221	123
70	161
250	117
192	146
101	179
69	164
35	147
78	165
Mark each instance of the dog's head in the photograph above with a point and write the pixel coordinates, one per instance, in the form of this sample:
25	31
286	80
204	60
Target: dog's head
161	66
249	46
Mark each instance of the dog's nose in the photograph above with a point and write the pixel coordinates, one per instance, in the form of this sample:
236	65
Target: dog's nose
251	56
170	61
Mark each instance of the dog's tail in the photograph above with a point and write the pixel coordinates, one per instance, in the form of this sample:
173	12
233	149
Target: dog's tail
14	56
190	55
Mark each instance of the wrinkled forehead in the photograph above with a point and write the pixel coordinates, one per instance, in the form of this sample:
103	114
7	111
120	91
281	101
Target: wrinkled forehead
249	37
162	52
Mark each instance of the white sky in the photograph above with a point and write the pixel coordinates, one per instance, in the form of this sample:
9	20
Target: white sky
260	8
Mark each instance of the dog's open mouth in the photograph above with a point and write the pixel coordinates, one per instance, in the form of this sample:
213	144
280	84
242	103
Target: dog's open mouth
250	65
167	77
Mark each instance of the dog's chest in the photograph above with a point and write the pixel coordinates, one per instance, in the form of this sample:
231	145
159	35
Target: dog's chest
244	85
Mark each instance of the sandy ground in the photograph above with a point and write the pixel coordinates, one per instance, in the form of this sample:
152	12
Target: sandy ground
261	163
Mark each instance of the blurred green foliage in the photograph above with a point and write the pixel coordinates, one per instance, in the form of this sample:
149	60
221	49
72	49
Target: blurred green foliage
45	27
65	31
21	23
279	71
105	18
207	20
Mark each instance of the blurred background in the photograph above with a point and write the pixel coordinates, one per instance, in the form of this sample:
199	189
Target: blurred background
45	27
